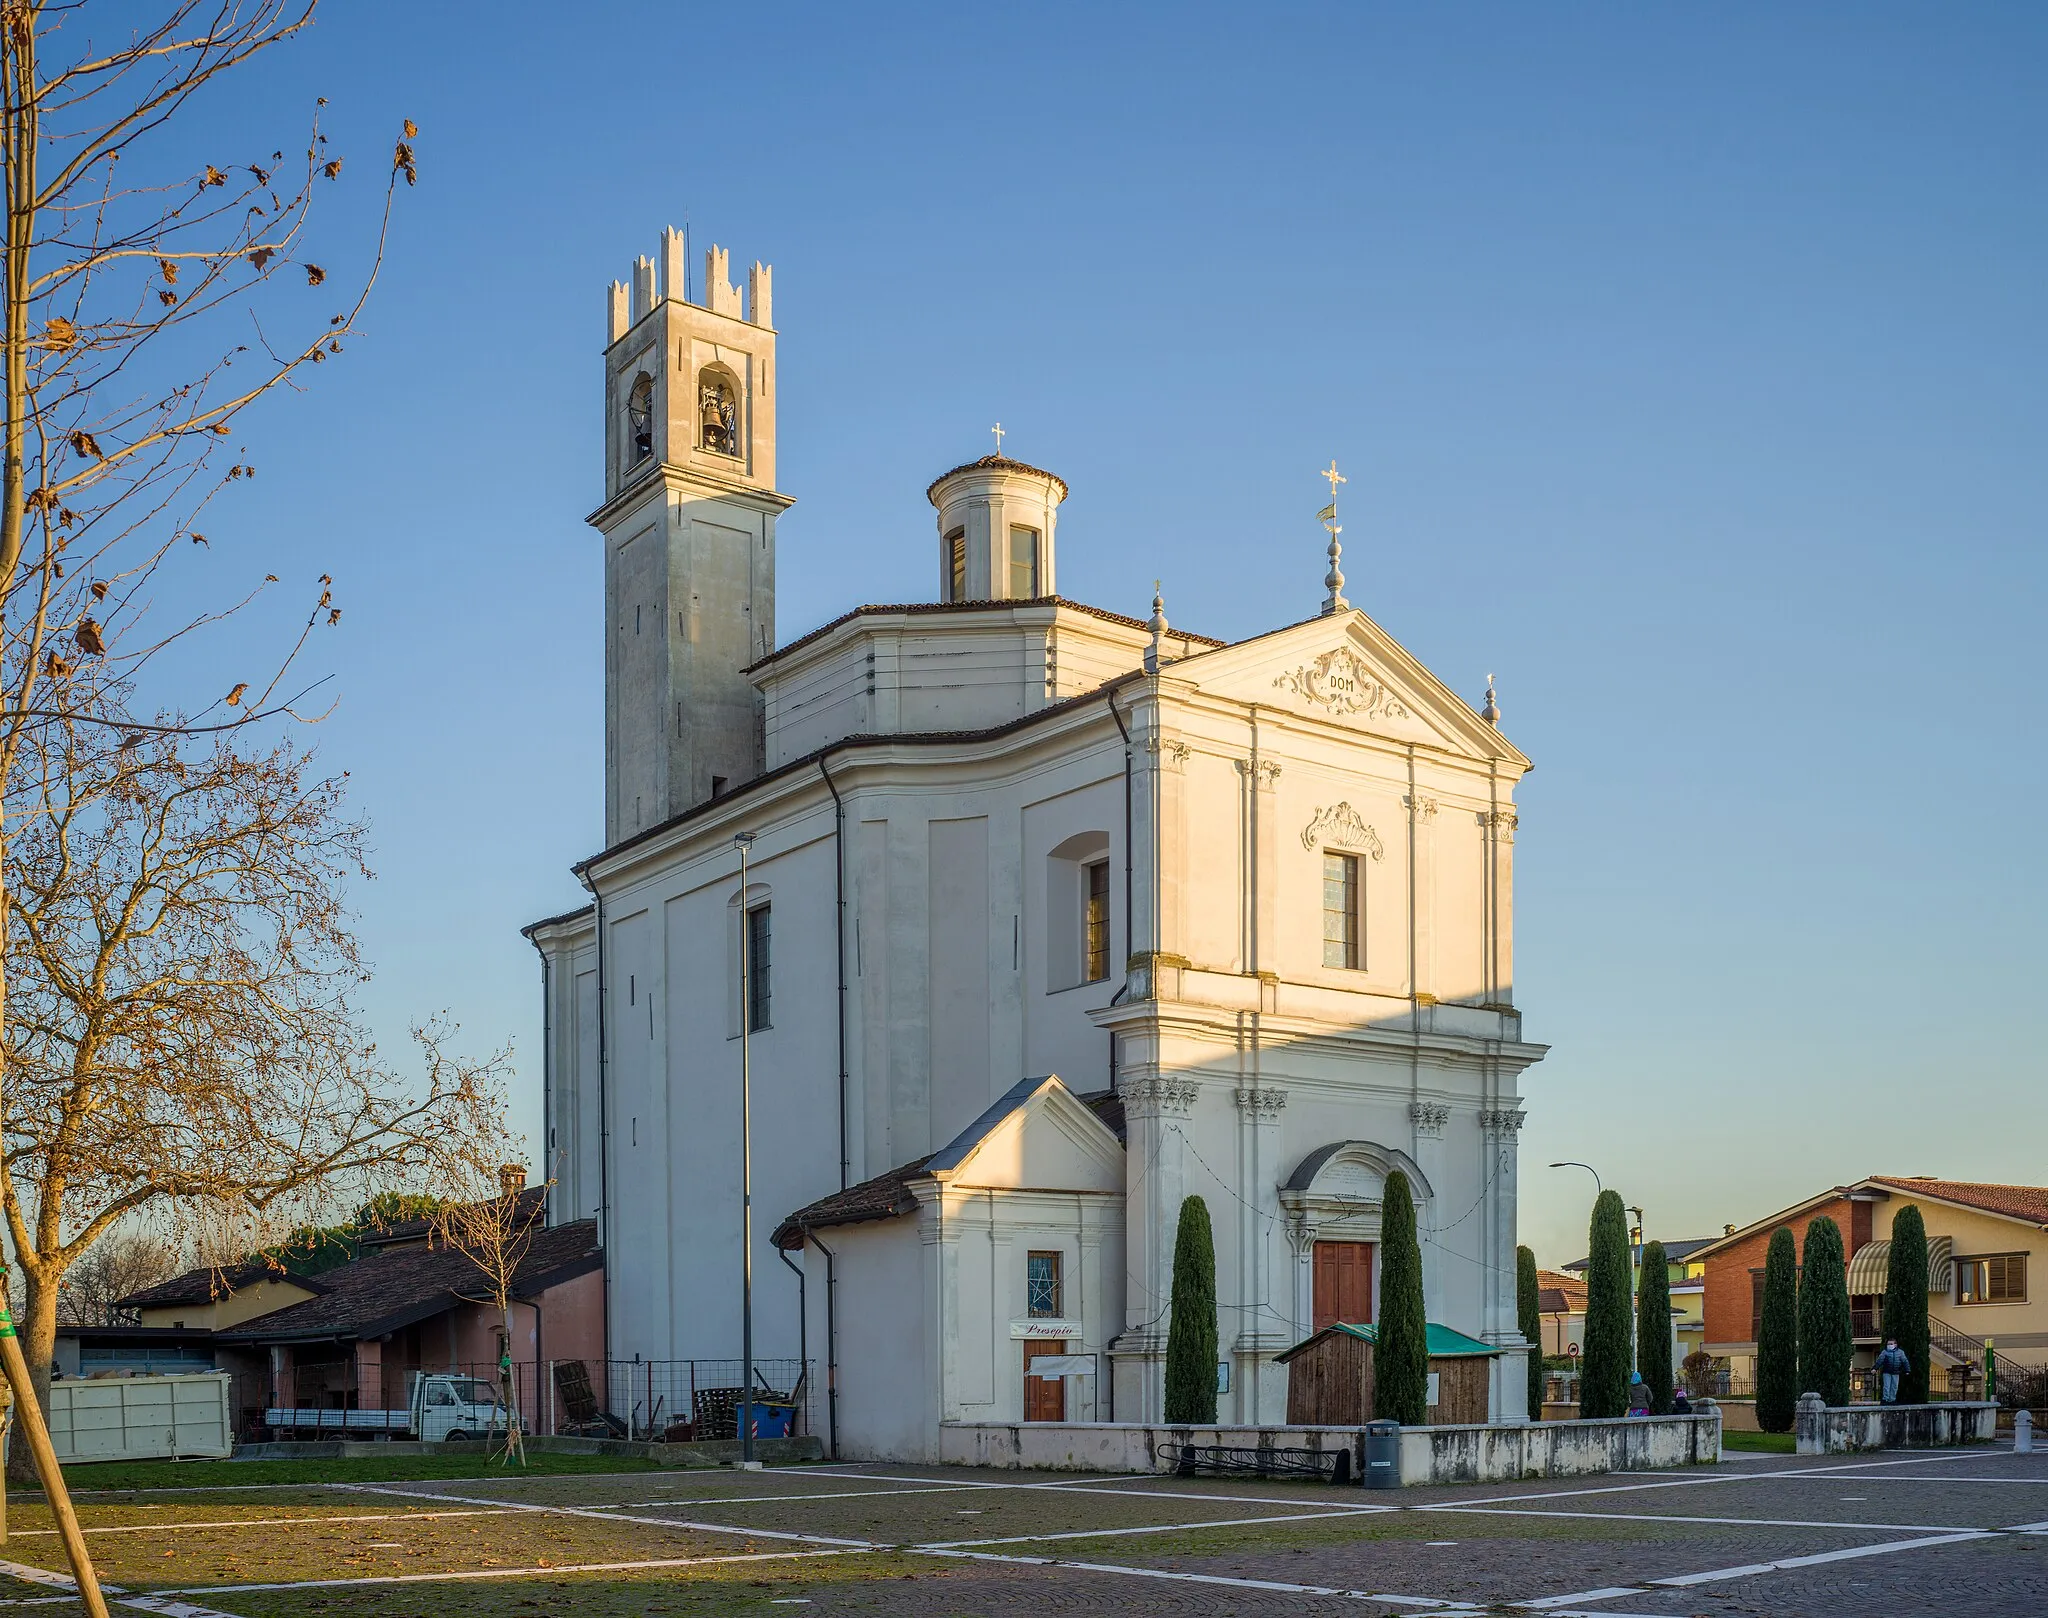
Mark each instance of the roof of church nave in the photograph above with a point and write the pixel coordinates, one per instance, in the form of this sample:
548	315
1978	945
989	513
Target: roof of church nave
994	463
972	606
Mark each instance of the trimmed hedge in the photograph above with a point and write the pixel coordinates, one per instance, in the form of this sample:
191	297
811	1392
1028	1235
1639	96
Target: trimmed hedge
1400	1361
1529	1317
1905	1301
1777	1342
1826	1335
1653	1327
1610	1333
1191	1338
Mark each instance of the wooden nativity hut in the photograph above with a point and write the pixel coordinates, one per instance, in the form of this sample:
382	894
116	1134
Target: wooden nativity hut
1329	1377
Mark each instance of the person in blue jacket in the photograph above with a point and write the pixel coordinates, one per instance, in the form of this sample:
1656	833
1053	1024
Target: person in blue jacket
1892	1364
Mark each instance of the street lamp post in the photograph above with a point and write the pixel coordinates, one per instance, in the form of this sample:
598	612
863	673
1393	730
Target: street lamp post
1588	1167
745	840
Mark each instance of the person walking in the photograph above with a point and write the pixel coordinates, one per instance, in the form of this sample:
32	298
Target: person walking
1891	1365
1638	1395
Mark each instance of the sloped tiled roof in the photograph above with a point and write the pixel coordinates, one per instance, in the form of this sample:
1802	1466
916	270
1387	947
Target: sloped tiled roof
1674	1252
2024	1202
1558	1293
209	1284
883	1197
397	1286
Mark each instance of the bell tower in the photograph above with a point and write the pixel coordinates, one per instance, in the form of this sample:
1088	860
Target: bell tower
689	533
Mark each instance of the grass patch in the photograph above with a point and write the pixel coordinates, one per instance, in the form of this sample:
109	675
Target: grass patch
123	1475
1761	1443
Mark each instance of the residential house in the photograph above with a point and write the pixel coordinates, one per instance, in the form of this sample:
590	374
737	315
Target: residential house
1685	1274
1561	1301
1985	1242
351	1338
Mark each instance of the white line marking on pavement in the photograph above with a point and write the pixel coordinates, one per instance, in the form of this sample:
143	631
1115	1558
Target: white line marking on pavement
1431	1603
1609	1593
117	1594
765	1499
2028	1528
544	1570
1733	1522
591	1514
161	1526
1750	1569
1117	1533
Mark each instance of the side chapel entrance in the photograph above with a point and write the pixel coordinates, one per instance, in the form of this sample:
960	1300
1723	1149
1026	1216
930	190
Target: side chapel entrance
1045	1398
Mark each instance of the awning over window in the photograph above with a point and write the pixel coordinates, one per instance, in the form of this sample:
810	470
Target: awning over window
1870	1269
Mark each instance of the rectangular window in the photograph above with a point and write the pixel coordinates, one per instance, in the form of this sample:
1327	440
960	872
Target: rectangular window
1042	1286
2001	1278
1097	941
956	565
1023	563
1340	910
760	956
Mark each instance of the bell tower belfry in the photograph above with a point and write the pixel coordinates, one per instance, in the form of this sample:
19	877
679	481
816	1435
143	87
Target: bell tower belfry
689	533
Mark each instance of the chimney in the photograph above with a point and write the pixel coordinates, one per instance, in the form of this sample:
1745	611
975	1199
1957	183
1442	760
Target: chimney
512	1179
1727	1230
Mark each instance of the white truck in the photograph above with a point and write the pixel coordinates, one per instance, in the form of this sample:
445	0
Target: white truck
442	1405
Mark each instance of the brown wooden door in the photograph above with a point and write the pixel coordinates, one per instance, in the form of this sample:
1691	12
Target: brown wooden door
1045	1398
1343	1284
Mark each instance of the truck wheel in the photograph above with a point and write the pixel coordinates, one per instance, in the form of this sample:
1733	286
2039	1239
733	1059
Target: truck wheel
458	1435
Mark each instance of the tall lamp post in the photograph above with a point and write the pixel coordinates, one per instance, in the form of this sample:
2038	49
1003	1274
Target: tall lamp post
745	841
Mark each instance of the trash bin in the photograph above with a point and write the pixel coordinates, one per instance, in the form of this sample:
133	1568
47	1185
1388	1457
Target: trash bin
1382	1455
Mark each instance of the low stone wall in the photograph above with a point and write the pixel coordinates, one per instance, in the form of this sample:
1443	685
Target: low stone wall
1107	1446
1480	1454
1837	1430
1559	1449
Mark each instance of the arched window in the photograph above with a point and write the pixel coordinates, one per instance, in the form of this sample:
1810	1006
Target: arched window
718	406
640	416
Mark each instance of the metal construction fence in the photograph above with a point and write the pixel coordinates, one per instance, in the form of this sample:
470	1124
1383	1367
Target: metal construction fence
675	1401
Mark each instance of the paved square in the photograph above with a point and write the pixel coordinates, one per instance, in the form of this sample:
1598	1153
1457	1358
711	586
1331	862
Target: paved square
1958	1531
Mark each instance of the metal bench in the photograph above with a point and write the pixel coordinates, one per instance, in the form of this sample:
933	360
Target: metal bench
1230	1460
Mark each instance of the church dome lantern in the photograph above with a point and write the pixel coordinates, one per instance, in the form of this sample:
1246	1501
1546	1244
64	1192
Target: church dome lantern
996	522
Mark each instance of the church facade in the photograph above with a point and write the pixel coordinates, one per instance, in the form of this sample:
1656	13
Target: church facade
1052	918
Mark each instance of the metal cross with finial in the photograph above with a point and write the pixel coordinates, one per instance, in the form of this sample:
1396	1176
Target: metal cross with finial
997	429
1335	478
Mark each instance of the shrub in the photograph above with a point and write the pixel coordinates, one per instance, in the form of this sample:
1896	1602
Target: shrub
1400	1362
1826	1344
1529	1316
1905	1301
1191	1338
1653	1327
1699	1373
1606	1363
1777	1341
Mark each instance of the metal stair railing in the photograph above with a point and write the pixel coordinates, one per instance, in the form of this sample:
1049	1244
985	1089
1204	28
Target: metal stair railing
1957	1345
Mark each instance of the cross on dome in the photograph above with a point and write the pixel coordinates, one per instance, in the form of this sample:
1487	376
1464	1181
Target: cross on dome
997	429
1335	478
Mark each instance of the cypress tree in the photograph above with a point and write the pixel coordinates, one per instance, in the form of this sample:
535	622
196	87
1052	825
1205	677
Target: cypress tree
1825	1335
1653	1327
1529	1316
1191	1338
1905	1301
1777	1338
1604	1367
1400	1361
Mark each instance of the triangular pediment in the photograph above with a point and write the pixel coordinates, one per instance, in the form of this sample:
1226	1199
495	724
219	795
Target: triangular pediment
1039	1137
1345	669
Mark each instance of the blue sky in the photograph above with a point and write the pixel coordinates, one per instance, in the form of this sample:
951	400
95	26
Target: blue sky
1688	369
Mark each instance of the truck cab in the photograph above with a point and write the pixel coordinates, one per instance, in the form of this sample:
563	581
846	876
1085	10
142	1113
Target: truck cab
454	1407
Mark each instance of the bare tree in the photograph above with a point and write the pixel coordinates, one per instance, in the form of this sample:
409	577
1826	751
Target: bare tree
120	1263
491	1217
145	290
182	1041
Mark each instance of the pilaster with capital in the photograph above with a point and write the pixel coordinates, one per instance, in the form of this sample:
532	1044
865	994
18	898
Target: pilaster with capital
1259	1396
1156	1105
1427	1120
1501	1128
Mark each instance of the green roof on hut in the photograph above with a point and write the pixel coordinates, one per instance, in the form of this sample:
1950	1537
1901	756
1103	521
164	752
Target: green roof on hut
1443	1342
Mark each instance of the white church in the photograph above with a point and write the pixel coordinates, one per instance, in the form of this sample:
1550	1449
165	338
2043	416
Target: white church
1052	918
